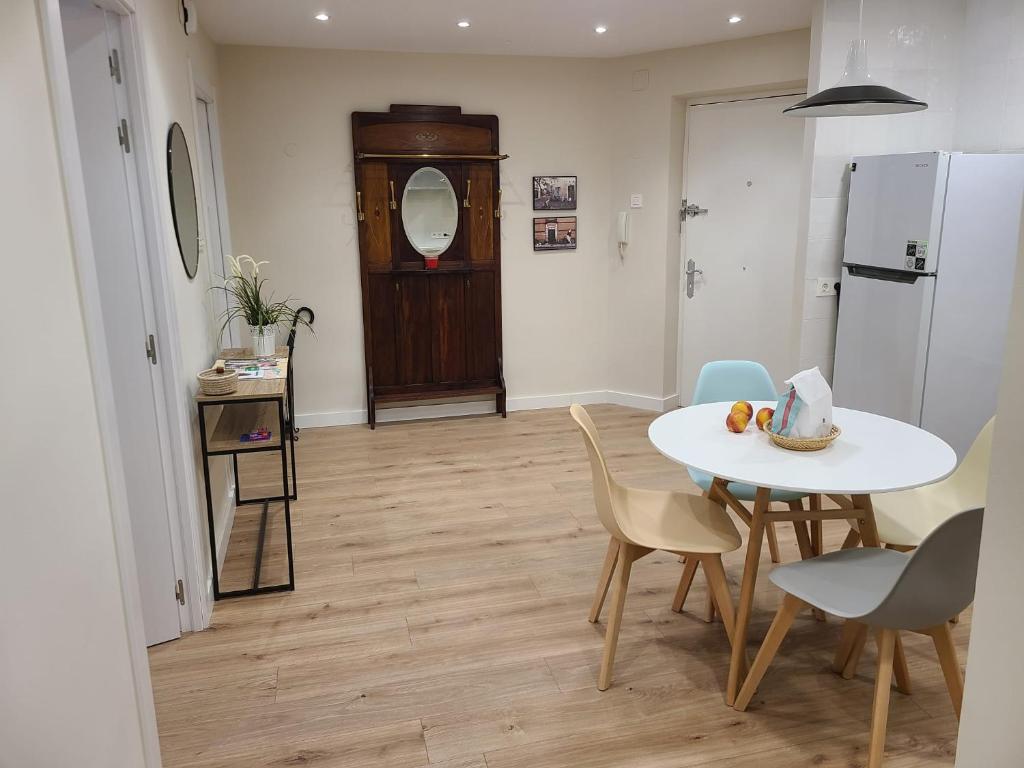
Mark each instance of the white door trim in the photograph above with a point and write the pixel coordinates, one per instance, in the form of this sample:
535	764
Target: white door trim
772	93
203	91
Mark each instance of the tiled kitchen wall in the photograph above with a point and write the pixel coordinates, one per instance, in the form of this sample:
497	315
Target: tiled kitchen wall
964	57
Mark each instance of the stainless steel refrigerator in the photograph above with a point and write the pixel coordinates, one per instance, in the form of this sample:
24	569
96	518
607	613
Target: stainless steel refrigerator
931	248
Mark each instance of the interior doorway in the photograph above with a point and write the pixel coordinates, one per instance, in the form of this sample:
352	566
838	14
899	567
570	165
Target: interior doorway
96	62
741	181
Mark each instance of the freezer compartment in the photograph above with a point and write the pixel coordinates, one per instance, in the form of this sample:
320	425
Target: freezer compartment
882	342
895	212
973	293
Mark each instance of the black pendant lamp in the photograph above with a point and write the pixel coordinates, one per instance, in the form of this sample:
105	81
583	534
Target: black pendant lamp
856	93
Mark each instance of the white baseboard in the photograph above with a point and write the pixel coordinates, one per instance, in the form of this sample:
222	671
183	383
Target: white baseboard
478	407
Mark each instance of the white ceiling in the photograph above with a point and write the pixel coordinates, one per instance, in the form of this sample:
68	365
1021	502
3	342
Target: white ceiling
511	27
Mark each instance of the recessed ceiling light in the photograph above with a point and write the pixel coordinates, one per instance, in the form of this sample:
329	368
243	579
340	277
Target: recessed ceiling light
735	19
600	30
322	17
463	24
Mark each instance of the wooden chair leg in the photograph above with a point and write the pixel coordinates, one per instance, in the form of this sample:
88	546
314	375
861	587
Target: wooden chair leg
773	543
942	636
846	641
850	669
783	620
684	584
718	585
900	668
880	709
605	580
628	554
709	606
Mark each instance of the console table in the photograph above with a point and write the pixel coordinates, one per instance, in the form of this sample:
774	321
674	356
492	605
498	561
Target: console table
223	419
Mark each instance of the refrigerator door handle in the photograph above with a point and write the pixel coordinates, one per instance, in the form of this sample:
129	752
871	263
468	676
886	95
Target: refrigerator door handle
884	273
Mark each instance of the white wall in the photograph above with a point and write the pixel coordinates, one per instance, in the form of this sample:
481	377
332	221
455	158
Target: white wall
964	57
68	695
582	322
913	46
288	155
990	732
647	157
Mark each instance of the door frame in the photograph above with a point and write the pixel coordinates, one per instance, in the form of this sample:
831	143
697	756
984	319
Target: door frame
774	92
201	90
172	412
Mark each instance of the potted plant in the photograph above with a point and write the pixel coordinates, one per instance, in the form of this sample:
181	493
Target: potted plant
246	299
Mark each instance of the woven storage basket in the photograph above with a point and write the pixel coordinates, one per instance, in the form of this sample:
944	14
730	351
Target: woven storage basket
803	443
213	383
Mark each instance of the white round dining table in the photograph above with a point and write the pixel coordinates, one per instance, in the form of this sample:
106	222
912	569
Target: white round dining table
873	454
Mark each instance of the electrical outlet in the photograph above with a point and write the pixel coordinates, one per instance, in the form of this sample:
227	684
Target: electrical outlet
826	287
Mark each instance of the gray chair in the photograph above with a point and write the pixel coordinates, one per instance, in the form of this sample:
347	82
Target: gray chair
888	591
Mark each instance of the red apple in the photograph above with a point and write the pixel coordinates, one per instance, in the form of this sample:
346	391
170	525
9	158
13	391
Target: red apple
744	407
736	421
764	415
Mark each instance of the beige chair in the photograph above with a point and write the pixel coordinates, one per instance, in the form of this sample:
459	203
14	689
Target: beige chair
641	521
905	518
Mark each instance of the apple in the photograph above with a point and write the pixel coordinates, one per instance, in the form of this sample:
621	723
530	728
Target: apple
744	407
736	421
764	416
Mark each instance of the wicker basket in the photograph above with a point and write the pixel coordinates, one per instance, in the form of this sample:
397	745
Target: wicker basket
213	383
803	443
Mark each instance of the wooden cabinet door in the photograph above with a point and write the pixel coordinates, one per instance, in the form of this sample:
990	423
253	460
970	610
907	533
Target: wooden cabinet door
448	318
375	229
412	329
481	324
480	214
382	307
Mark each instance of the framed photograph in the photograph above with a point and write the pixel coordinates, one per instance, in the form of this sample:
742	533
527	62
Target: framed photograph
554	193
554	233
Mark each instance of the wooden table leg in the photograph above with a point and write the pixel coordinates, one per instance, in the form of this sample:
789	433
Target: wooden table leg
746	603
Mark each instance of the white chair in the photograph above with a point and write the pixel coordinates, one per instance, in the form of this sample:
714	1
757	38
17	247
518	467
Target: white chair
641	521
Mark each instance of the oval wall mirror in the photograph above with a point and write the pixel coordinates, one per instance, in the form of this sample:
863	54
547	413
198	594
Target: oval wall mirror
183	199
430	212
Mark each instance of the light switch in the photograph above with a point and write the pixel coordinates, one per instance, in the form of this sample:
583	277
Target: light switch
636	200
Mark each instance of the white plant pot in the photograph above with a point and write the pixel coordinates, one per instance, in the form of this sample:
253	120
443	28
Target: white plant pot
264	340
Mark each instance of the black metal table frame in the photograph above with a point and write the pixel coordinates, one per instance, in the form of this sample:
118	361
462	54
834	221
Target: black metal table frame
290	491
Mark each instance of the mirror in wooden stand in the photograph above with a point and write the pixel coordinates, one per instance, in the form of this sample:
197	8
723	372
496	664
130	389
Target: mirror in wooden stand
430	213
183	199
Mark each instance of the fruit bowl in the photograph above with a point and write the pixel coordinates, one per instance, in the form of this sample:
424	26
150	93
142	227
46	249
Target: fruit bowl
803	443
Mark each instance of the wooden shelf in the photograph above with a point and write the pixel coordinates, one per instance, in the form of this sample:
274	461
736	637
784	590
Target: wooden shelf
437	394
240	418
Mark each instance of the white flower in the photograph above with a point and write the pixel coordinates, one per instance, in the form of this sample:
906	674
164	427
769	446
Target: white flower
238	261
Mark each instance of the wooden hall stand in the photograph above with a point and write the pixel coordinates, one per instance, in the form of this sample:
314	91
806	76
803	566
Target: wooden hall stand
429	333
874	454
256	402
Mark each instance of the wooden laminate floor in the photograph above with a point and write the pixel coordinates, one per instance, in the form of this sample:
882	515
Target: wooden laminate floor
444	571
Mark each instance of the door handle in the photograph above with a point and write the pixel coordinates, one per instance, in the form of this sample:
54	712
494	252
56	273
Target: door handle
691	270
394	201
466	202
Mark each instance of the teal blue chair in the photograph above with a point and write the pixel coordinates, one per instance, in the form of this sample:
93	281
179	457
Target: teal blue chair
729	381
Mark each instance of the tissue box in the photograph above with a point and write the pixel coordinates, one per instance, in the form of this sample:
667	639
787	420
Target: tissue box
805	409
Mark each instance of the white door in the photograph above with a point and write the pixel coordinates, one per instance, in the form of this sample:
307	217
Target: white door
211	223
743	165
90	37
